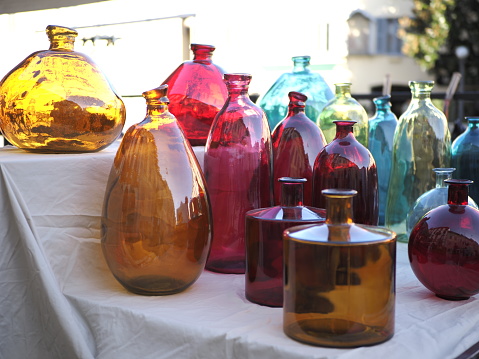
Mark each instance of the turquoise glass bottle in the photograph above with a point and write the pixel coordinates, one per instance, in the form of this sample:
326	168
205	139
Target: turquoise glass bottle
422	141
381	135
275	102
465	155
343	107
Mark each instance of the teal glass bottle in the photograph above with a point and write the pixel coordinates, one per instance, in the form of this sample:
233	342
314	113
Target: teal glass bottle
343	107
433	198
422	142
465	155
381	134
275	102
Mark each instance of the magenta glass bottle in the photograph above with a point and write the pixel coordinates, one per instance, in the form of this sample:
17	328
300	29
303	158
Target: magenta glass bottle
444	246
345	163
197	93
237	166
297	142
264	241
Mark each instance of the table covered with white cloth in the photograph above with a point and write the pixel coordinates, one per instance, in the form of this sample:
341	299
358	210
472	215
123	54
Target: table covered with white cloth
58	298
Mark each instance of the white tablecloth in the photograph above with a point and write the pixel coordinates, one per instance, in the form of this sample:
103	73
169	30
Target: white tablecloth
59	300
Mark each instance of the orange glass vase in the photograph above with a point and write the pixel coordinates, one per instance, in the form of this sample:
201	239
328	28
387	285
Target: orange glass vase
57	100
156	222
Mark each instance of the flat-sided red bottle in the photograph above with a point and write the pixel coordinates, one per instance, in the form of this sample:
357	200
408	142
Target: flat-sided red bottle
237	166
347	164
297	142
197	92
264	241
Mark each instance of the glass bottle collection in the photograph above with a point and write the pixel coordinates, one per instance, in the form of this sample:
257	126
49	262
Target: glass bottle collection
271	198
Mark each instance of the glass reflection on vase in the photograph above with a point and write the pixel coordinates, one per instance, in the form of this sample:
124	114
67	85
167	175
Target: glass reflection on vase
156	220
339	281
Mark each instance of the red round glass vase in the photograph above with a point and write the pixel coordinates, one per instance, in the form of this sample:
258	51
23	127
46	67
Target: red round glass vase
237	167
297	142
346	163
443	247
264	241
197	93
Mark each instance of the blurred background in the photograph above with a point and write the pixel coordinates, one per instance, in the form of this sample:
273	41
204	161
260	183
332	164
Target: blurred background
137	44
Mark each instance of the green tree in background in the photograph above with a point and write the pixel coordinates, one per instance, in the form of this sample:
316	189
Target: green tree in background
436	29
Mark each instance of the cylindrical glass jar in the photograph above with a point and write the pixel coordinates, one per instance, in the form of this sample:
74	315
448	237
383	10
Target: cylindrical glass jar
237	165
264	241
156	221
339	280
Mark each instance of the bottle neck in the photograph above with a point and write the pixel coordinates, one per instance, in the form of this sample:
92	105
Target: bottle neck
343	90
442	175
344	129
62	43
295	107
291	194
458	192
339	210
301	63
473	123
421	90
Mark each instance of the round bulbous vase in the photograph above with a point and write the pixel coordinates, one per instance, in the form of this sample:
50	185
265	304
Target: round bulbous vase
59	101
443	247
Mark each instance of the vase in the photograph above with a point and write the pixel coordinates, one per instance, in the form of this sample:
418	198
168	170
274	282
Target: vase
422	142
443	247
156	222
197	92
343	107
237	165
465	155
301	79
59	101
264	241
297	142
381	134
346	163
339	281
432	198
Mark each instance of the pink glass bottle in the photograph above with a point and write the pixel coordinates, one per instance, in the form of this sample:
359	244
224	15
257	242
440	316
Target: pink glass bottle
444	246
237	166
345	163
197	93
264	241
297	142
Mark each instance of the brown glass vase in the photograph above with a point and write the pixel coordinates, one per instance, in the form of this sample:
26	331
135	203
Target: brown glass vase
58	100
156	222
339	279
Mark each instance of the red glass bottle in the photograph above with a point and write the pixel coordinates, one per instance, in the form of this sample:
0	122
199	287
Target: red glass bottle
197	93
444	246
297	142
237	165
264	241
346	163
156	221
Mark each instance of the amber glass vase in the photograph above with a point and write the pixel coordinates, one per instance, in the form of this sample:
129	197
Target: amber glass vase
156	222
339	281
345	163
444	246
197	93
296	144
237	165
57	100
264	241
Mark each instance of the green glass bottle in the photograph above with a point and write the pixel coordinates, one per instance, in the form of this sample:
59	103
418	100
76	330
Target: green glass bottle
422	142
343	107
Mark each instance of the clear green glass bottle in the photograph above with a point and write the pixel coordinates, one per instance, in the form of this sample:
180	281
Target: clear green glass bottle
275	102
343	107
422	142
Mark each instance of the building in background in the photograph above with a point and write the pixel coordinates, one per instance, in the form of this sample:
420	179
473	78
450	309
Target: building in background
137	44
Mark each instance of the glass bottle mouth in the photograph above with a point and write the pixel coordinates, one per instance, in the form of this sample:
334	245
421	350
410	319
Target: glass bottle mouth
157	95
421	86
382	100
61	38
343	88
237	81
